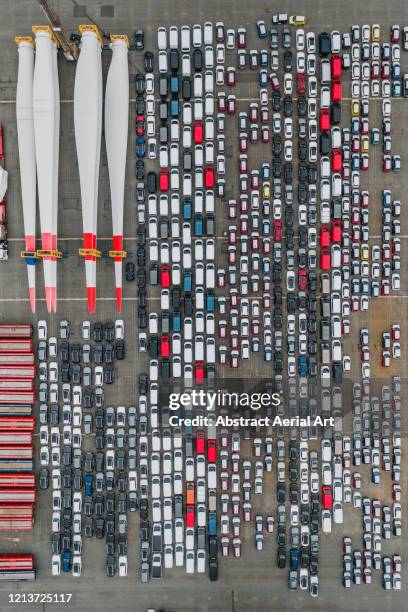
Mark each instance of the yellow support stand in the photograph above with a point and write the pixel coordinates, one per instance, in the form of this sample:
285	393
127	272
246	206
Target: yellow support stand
46	28
89	253
28	254
27	39
92	28
121	254
49	253
119	37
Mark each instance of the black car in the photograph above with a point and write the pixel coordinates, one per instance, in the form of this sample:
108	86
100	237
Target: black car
287	61
140	84
324	44
302	151
276	101
120	349
109	331
312	173
197	60
174	60
109	352
165	369
281	536
335	111
99	354
130	271
286	38
142	318
186	88
140	169
65	372
276	145
56	543
324	144
302	106
288	172
139	39
213	569
287	106
64	351
281	492
151	182
140	105
109	375
148	61
76	374
188	305
281	558
110	566
122	544
143	384
43	479
98	332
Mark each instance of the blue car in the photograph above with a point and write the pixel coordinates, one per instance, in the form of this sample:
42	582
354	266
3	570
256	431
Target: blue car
210	301
88	484
187	210
261	29
187	281
266	171
198	225
140	146
303	365
176	322
263	78
294	558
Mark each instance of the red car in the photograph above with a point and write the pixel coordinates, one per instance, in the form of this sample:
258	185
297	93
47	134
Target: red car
164	180
209	177
243	142
199	372
325	262
231	76
302	279
336	66
327	498
336	91
165	346
395	34
140	125
300	83
264	133
241	38
211	451
336	231
324	236
165	277
198	133
336	160
200	443
277	230
324	120
190	516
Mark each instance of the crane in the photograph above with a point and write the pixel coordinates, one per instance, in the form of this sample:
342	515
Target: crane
69	49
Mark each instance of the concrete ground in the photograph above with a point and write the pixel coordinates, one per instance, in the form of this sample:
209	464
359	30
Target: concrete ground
252	582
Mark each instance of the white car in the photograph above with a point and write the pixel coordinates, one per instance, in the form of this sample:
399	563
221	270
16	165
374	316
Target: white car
56	565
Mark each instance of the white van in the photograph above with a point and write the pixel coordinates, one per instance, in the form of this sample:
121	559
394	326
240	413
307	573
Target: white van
209	128
187	185
161	39
336	350
199	297
208	33
336	138
198	85
179	555
187	114
209	81
209	201
335	255
211	476
326	449
162	61
210	350
336	326
175	204
173	37
209	57
163	157
326	521
198	109
186	65
209	104
190	562
185	39
325	167
200	560
175	130
336	185
187	136
338	513
325	71
335	302
210	276
198	161
324	189
174	154
325	97
190	537
197	35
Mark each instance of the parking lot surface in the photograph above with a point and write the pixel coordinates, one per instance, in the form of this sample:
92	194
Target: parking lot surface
252	582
